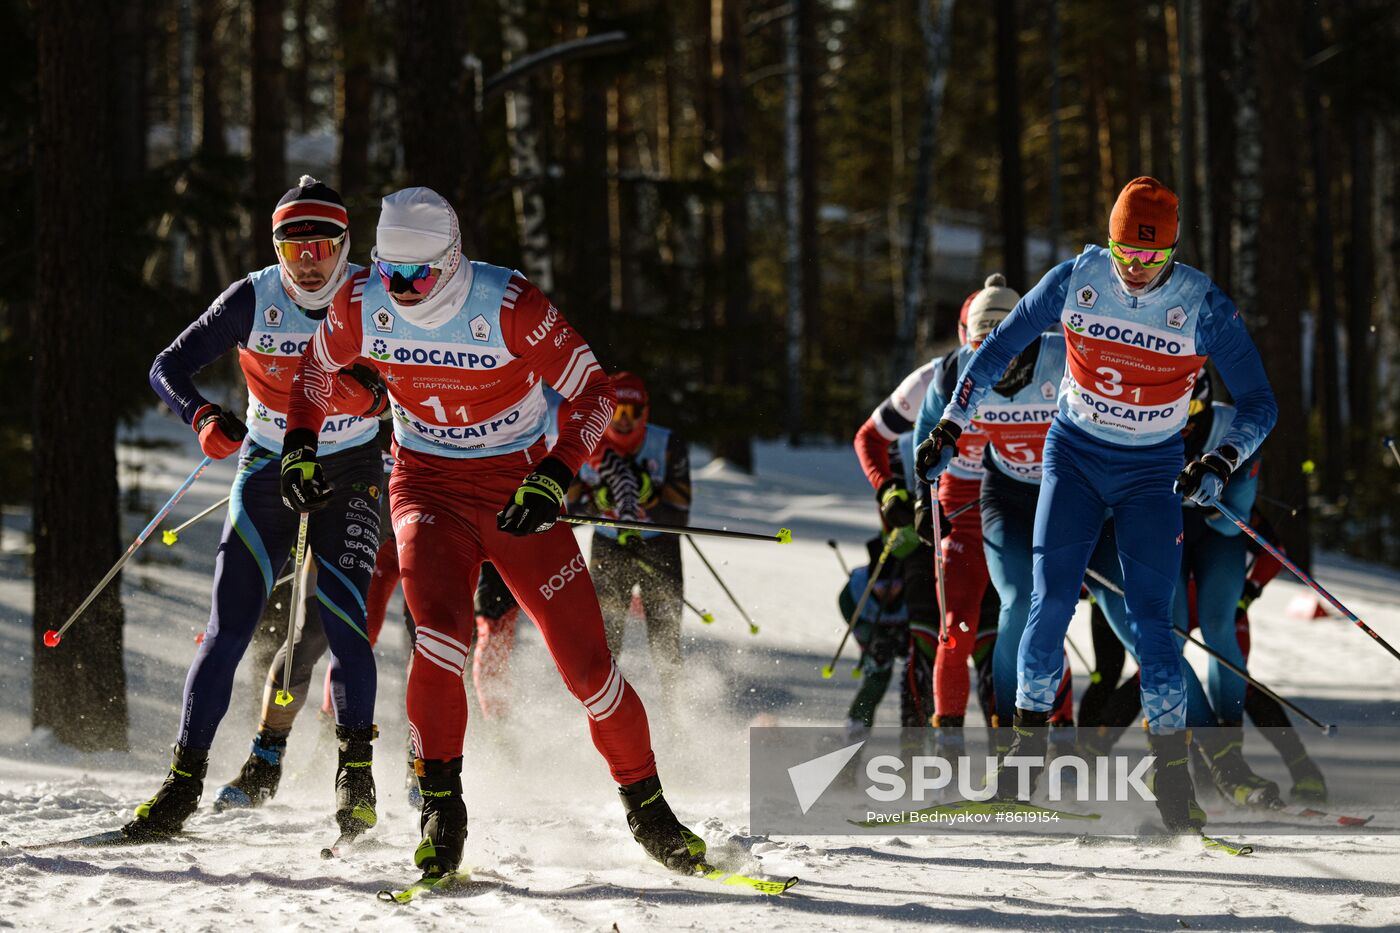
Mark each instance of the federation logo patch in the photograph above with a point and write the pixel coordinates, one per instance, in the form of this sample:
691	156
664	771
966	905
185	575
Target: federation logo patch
1086	297
481	329
1176	317
1047	390
273	316
383	321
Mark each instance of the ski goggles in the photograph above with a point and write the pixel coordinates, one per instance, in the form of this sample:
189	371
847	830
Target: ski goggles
628	410
315	250
1148	258
404	277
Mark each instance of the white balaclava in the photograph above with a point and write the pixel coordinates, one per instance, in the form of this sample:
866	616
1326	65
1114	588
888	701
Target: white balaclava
418	225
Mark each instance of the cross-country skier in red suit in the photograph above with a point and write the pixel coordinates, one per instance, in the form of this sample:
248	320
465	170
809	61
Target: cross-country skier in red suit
466	349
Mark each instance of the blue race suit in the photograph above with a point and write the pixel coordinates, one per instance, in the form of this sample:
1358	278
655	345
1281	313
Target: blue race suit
256	316
1115	447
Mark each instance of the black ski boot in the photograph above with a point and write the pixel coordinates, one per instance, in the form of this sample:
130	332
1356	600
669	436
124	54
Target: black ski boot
444	817
1308	782
1170	783
354	780
1224	753
166	812
257	781
657	829
1028	740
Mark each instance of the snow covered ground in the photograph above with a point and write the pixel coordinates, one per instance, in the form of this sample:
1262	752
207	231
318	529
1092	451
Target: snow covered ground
548	844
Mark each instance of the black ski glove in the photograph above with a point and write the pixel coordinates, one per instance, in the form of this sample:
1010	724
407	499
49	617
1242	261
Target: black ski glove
535	505
304	485
937	450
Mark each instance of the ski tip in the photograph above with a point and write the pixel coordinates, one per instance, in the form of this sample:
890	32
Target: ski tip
784	535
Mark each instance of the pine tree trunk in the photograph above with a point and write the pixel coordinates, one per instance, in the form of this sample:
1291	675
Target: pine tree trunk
435	108
736	444
1011	193
356	59
809	171
269	115
299	75
1326	383
1361	291
1245	236
209	17
1219	71
79	687
526	167
129	96
936	40
1273	305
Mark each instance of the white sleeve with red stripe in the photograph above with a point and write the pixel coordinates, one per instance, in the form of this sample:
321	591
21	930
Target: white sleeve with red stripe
536	332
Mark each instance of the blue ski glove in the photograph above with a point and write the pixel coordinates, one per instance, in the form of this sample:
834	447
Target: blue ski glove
1203	481
937	450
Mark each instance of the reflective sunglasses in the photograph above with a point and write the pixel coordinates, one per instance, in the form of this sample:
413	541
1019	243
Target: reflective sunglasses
316	250
1149	258
403	277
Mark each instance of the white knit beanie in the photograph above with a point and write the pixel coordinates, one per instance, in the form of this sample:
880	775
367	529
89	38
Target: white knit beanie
991	306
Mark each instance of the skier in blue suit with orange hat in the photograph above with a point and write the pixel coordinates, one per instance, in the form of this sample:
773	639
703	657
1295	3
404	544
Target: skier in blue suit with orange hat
1138	327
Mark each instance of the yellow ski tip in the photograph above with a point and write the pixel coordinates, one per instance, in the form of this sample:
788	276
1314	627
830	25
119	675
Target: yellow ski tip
784	535
168	538
283	698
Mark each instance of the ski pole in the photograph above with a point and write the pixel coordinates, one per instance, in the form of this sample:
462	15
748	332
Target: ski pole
1298	572
1094	676
171	535
1292	510
1390	442
963	508
783	536
53	636
831	543
1226	662
284	696
830	669
943	636
706	617
753	629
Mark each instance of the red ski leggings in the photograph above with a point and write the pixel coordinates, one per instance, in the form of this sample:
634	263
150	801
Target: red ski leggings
964	583
445	521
